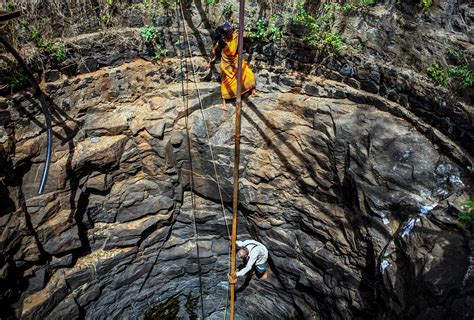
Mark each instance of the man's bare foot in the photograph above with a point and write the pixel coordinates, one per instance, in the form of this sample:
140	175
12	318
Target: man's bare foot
264	276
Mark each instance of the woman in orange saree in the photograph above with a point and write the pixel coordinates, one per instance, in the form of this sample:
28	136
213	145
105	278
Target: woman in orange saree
229	59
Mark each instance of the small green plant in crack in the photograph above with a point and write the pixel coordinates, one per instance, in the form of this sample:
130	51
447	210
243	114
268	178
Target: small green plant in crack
366	2
211	2
18	81
160	52
264	31
150	34
60	54
333	40
9	6
228	10
274	31
260	30
425	4
348	6
463	74
466	217
437	73
49	47
105	18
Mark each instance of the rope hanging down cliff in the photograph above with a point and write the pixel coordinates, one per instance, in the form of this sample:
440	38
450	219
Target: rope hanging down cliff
185	93
42	97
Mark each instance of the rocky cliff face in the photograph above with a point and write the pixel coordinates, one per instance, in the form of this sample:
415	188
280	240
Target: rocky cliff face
350	175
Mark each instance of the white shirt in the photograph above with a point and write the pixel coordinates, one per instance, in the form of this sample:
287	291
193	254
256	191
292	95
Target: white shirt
258	254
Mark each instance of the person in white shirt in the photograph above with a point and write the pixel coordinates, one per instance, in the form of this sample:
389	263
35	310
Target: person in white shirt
252	253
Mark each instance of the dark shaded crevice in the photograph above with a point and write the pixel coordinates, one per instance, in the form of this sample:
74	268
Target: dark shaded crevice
368	284
79	215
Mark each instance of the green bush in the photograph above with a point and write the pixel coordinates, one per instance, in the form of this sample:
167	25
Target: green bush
366	2
228	10
211	2
264	31
9	6
437	73
160	52
18	81
333	40
466	217
150	34
455	53
321	32
425	4
463	74
60	54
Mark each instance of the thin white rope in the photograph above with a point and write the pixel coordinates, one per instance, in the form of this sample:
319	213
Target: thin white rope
203	118
208	140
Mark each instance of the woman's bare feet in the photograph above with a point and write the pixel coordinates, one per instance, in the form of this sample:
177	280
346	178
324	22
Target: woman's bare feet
254	93
223	103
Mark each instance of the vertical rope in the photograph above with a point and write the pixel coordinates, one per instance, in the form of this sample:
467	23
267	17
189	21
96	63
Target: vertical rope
191	176
44	109
204	120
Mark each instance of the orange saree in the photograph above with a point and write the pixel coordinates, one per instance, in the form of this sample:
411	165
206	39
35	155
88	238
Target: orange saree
229	61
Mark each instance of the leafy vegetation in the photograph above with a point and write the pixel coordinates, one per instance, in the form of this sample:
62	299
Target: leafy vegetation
423	4
437	73
9	6
18	81
457	76
228	10
321	33
60	53
463	74
211	2
455	53
366	2
150	34
264	31
160	52
466	217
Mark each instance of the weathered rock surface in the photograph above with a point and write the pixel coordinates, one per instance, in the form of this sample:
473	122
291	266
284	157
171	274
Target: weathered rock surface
350	175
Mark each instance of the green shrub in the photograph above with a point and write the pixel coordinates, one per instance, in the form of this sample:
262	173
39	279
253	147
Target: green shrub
436	72
463	74
49	47
455	53
9	6
150	34
425	4
60	53
105	18
466	217
18	81
211	2
228	10
333	40
274	31
321	33
348	6
160	52
366	2
264	31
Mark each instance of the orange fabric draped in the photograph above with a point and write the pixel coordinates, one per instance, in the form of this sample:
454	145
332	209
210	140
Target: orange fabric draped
229	63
